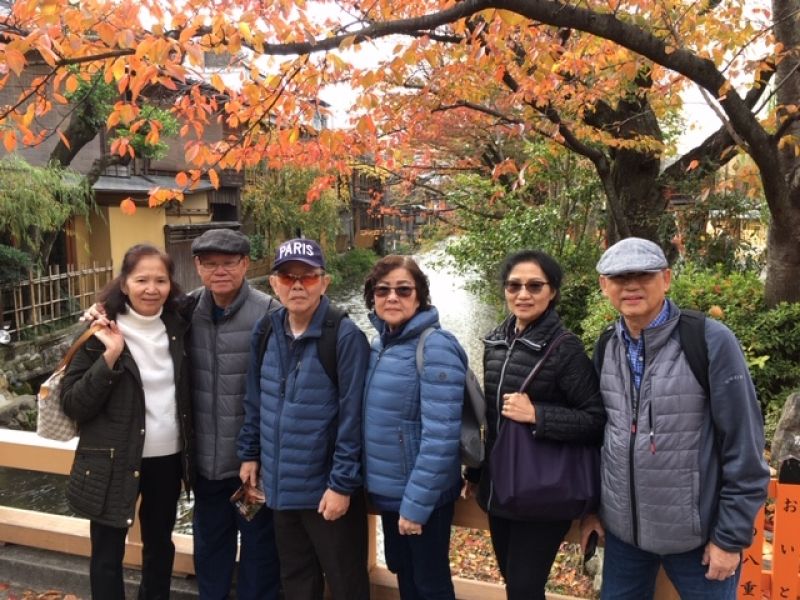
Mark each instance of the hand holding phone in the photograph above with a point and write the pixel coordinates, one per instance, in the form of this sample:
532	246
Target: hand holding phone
591	546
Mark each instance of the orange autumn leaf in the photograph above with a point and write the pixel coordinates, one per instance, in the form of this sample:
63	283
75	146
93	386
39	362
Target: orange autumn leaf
128	207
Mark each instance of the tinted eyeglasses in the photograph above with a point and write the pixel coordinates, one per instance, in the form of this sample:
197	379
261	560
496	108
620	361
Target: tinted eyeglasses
402	291
533	287
306	279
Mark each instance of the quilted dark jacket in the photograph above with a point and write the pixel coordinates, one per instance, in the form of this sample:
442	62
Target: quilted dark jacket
108	405
565	392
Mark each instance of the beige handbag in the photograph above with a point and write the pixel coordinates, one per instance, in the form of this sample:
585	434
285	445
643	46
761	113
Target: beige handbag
51	422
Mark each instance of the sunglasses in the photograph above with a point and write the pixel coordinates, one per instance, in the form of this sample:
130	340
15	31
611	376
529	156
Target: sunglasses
306	280
533	287
402	291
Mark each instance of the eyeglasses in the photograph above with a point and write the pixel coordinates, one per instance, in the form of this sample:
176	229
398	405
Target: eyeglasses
227	265
402	291
306	279
533	287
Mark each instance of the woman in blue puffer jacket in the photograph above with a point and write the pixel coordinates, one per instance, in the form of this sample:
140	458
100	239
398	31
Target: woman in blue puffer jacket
412	423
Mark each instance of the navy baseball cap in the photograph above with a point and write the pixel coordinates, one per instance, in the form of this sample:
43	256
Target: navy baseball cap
300	250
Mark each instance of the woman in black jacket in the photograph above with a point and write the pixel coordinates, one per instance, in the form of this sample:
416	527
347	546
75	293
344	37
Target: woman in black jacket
562	403
128	389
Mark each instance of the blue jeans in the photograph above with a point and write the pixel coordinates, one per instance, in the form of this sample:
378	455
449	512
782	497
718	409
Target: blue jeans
216	524
421	562
629	573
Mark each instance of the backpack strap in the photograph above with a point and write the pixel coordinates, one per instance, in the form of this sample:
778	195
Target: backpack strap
692	332
326	344
692	336
421	348
600	348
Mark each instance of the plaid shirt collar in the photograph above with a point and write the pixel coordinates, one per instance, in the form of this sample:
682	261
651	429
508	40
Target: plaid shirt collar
634	348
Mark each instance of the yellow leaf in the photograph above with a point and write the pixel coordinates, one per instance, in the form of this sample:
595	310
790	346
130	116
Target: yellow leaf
347	42
10	141
212	175
294	135
509	17
128	207
669	49
244	30
71	83
15	60
217	82
118	69
64	139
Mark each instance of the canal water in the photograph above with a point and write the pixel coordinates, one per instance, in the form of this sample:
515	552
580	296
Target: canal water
460	311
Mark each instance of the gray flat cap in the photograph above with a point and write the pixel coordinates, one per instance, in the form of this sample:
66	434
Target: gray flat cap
222	241
632	255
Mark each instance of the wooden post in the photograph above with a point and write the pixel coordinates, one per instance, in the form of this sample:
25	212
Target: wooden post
786	544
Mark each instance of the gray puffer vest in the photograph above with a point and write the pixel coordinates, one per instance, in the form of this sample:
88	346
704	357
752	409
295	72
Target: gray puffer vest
220	354
655	443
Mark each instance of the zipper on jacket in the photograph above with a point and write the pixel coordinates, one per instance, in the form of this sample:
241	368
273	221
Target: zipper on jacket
635	394
364	409
497	408
214	396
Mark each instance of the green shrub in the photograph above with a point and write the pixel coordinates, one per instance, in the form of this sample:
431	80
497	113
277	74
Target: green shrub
770	338
13	263
350	268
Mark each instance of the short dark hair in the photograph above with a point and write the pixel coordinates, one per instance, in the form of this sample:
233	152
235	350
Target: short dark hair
388	264
115	301
549	265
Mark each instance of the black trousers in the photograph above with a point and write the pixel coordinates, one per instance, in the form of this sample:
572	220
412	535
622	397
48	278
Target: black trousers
159	487
525	551
313	551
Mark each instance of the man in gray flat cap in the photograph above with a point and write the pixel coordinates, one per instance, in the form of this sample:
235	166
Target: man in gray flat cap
683	468
226	310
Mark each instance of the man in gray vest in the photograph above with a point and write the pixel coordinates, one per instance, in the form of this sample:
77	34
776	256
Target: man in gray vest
683	471
223	318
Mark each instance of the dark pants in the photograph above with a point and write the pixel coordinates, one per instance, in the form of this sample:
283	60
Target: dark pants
421	562
525	551
309	546
159	487
216	525
629	573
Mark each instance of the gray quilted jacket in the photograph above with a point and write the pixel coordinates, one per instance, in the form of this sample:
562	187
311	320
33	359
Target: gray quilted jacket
220	354
682	469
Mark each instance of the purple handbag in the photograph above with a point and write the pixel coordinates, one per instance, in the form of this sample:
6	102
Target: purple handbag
542	479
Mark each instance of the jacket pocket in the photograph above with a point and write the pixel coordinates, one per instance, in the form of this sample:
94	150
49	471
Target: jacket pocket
90	479
410	434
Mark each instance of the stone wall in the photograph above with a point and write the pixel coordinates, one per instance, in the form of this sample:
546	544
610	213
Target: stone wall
23	365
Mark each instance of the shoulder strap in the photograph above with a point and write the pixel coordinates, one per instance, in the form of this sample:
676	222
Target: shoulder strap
76	345
547	352
600	347
264	329
326	345
421	349
692	332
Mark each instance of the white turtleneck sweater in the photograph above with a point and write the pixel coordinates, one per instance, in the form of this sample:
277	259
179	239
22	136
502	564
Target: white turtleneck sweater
146	338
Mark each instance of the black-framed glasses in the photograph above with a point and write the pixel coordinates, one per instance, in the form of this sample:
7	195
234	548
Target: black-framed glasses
227	265
306	279
533	287
402	291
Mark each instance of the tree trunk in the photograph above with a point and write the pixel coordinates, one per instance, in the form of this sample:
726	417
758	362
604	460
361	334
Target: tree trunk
783	241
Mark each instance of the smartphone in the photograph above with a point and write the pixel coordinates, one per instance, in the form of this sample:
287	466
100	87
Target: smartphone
591	547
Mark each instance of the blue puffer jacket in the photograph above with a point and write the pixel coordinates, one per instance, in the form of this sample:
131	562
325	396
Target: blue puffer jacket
411	423
306	433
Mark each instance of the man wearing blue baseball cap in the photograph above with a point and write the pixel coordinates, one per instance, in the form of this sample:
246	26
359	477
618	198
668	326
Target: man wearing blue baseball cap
302	430
683	468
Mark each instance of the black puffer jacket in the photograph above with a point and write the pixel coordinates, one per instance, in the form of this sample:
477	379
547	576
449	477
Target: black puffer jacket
108	405
565	392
